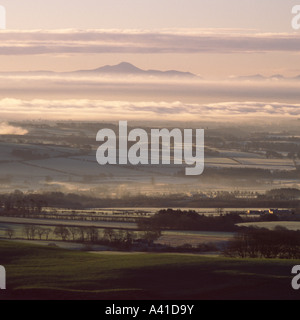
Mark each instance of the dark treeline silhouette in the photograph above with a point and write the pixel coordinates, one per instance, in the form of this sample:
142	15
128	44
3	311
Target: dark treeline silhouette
18	201
283	194
86	235
114	238
190	220
262	243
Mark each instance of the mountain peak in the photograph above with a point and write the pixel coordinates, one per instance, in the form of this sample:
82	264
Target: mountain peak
123	67
125	64
130	69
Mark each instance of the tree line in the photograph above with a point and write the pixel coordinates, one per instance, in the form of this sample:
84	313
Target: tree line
190	220
121	239
263	243
20	203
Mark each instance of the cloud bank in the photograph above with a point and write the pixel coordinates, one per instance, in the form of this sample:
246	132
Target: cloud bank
137	88
5	128
71	41
99	110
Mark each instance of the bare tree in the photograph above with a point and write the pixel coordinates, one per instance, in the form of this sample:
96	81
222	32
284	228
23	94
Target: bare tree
93	234
40	231
74	232
62	232
9	232
109	234
151	235
47	231
30	231
81	232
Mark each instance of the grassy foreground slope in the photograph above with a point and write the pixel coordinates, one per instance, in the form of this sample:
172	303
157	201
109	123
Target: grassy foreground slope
37	272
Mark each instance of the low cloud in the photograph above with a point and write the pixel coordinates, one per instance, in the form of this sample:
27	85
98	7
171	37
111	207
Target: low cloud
5	128
138	88
99	110
71	41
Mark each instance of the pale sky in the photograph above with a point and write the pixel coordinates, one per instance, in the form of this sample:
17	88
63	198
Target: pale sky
235	16
264	15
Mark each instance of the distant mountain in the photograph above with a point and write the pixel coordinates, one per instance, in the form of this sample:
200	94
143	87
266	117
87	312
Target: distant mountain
130	69
123	68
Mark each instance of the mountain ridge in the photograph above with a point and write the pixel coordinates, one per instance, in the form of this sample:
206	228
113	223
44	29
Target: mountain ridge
123	68
128	68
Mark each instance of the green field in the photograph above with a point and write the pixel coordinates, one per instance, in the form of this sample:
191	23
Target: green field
37	272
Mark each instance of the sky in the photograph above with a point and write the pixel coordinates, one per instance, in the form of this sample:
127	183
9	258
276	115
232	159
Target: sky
232	17
218	40
265	15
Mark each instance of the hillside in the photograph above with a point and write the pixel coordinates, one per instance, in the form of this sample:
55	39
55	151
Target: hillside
35	272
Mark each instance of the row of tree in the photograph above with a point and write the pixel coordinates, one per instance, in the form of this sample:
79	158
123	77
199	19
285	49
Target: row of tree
18	202
262	243
92	235
22	204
